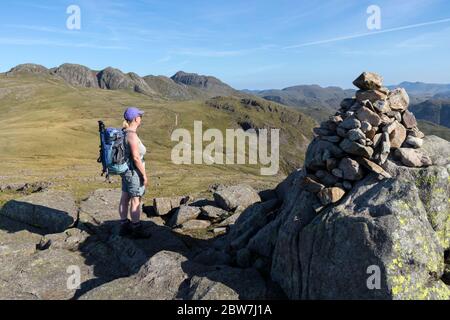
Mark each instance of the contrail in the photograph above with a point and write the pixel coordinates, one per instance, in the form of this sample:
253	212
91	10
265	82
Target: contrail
361	35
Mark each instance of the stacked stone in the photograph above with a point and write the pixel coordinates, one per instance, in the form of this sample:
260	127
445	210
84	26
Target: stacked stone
360	137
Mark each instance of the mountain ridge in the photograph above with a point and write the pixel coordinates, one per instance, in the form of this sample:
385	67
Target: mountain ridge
182	85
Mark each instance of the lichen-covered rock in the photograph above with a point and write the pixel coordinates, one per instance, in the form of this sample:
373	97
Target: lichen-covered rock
391	224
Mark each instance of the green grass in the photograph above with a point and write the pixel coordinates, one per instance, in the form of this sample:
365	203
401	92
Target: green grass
430	128
49	132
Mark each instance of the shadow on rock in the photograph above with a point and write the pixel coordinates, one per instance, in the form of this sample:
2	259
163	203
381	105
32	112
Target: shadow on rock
168	265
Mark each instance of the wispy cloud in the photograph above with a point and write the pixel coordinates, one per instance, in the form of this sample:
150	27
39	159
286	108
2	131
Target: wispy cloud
53	43
368	34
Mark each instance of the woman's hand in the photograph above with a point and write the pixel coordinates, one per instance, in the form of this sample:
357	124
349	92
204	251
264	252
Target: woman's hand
145	181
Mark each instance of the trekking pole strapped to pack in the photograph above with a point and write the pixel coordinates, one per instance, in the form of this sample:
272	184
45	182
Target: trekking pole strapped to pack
102	158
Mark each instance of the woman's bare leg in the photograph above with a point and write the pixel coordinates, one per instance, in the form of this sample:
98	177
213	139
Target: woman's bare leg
124	206
135	210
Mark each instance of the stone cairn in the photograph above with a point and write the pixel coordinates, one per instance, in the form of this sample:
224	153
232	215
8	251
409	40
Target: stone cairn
360	137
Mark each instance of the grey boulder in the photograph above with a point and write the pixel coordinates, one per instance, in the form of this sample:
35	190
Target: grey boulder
51	211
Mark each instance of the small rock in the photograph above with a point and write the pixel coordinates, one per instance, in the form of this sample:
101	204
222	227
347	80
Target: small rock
356	134
164	206
213	213
336	119
184	214
415	132
382	106
370	134
372	166
409	120
366	126
395	115
351	170
385	147
414	142
365	114
230	221
368	81
386	120
357	149
377	140
322	132
337	173
333	139
311	185
330	195
319	152
371	95
398	135
399	99
347	103
413	157
350	123
326	178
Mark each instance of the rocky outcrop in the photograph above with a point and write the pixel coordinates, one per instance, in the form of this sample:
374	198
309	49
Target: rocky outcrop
28	68
77	75
182	86
398	226
210	84
114	79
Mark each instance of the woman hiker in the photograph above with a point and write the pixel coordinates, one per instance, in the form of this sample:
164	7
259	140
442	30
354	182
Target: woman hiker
135	180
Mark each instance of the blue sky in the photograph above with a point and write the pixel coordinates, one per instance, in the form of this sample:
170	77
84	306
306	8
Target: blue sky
246	43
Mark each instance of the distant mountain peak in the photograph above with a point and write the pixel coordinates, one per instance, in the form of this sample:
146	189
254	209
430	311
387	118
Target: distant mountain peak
30	68
203	82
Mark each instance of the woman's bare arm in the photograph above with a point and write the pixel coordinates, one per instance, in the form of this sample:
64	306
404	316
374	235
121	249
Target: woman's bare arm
135	155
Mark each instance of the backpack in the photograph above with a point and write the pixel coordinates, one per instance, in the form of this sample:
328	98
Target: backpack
112	151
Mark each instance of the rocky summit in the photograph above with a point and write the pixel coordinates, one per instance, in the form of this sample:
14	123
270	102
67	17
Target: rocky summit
367	217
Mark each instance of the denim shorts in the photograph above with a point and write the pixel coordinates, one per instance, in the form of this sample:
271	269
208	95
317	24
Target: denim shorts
132	183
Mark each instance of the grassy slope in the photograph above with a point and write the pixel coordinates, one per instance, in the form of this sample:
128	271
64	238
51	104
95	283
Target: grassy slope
430	128
48	131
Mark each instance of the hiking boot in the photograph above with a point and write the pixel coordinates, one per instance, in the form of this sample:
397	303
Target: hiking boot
125	228
139	232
